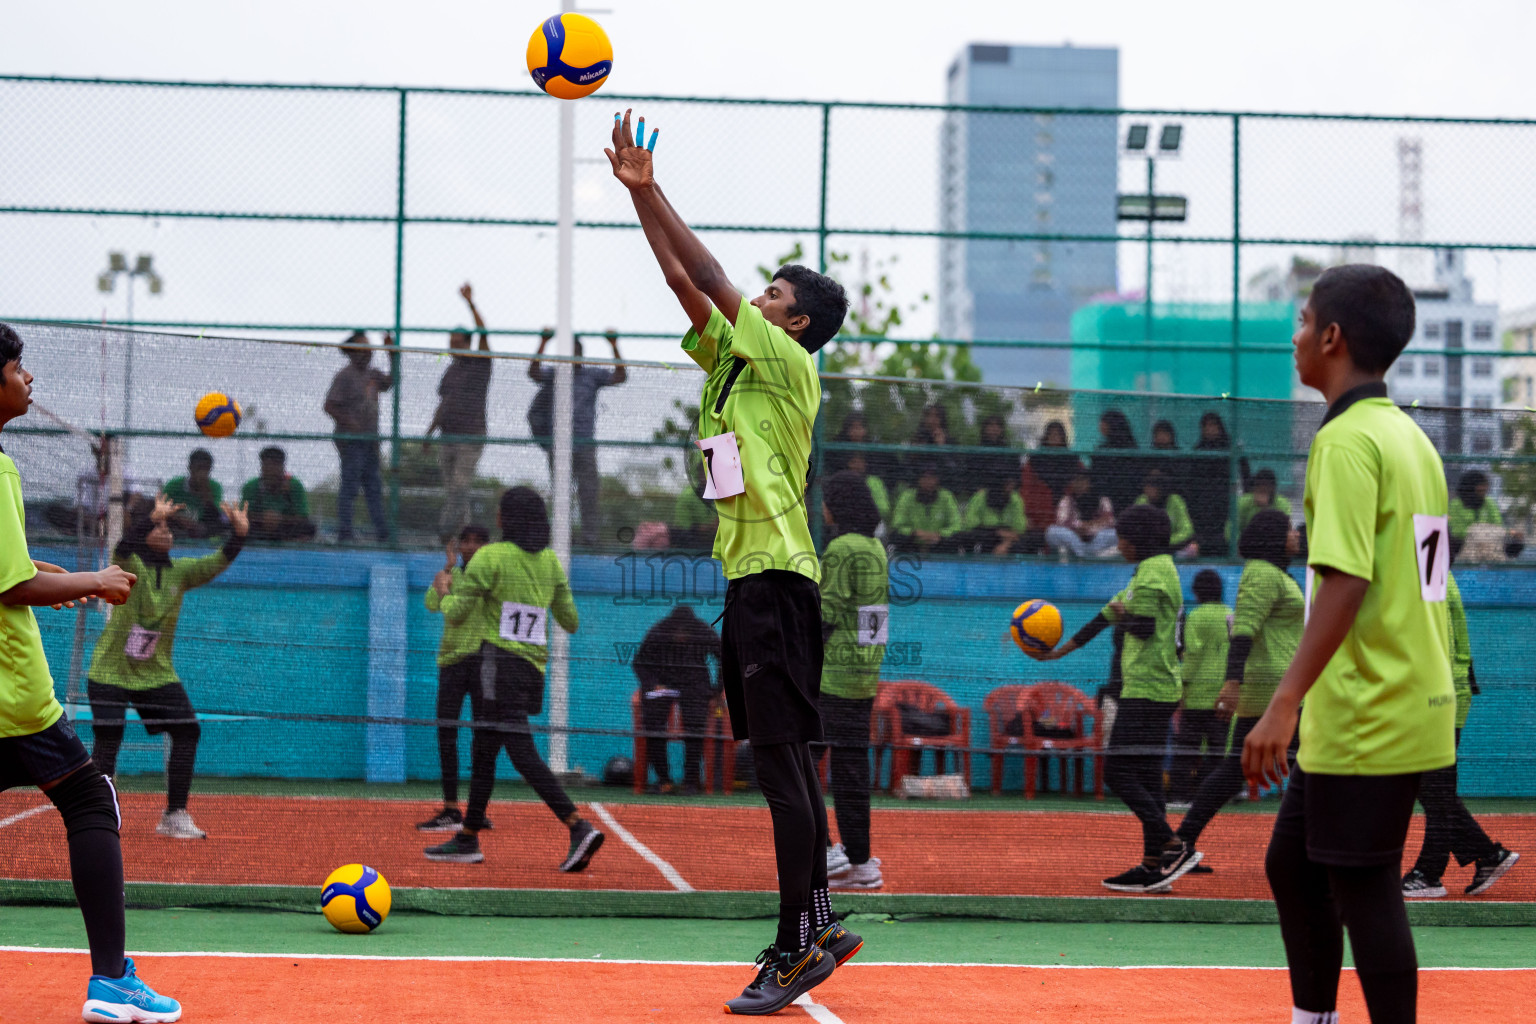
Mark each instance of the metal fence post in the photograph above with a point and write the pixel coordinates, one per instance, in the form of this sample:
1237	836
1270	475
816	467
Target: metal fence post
818	431
396	364
1234	386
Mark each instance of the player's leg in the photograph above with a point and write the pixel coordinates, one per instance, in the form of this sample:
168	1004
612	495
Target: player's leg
655	708
1471	845
847	725
1133	772
109	717
57	760
781	777
373	490
1438	795
695	712
168	710
1356	826
351	482
1309	920
454	683
1224	782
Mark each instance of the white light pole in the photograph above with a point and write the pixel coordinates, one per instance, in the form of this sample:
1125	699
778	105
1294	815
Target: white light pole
143	266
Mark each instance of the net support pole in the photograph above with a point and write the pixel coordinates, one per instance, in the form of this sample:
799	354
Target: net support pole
396	364
1234	463
560	496
385	741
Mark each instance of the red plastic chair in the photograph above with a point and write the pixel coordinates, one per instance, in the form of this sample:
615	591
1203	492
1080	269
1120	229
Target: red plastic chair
903	747
717	731
1065	709
1001	705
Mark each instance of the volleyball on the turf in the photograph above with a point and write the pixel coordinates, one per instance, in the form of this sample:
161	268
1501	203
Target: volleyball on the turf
355	899
569	56
1036	626
217	414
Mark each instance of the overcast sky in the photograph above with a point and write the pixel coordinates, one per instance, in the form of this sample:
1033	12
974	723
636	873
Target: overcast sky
1404	57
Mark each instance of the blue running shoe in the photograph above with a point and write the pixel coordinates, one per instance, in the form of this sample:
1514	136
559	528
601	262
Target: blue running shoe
120	1000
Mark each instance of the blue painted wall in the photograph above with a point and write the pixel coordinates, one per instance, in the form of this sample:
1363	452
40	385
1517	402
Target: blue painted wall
287	632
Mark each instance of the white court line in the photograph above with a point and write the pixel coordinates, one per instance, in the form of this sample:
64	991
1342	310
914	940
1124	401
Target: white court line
667	870
689	963
816	1011
13	819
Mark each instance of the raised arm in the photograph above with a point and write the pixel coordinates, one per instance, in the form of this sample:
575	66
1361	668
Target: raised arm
621	372
632	165
469	297
534	366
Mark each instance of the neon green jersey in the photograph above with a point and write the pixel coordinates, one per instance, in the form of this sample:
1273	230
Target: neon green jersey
1461	652
855	584
459	639
1182	527
1207	635
980	515
1270	609
1463	518
940	516
27	704
153	609
1150	668
763	386
502	598
1376	509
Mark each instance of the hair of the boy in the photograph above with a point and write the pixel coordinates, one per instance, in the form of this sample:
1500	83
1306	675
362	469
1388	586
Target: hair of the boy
852	505
273	454
524	519
10	344
1207	586
474	531
1373	308
200	457
1264	538
1147	529
818	297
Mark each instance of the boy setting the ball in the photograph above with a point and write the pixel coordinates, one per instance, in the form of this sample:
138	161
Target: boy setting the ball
757	409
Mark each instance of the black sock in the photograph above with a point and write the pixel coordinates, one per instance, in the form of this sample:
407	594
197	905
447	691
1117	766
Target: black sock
88	805
788	939
821	910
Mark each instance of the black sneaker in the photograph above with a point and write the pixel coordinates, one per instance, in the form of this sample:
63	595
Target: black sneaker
839	941
1179	858
1491	868
1419	886
1139	879
449	819
463	848
783	978
585	841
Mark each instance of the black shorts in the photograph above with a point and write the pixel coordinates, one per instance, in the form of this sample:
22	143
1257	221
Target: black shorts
1349	820
159	708
42	757
770	657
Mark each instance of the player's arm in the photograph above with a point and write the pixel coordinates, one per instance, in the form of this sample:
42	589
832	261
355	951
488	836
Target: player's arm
535	370
111	584
632	165
1109	615
469	297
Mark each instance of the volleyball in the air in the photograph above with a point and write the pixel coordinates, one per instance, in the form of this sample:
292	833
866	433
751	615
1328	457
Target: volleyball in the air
355	899
217	414
569	56
1036	626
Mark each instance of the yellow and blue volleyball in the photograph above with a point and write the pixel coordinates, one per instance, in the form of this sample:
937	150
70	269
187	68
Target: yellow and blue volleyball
570	56
1036	626
217	415
355	899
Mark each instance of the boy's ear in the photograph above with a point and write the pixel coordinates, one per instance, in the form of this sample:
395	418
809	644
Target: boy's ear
799	323
1330	340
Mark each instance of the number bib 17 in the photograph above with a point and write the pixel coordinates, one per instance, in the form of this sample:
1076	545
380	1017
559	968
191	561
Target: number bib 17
524	623
1432	549
722	466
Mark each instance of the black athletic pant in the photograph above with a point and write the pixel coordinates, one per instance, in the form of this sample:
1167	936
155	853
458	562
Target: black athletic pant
1133	769
786	773
1191	764
1223	783
513	680
655	708
454	683
1333	863
1448	826
846	722
164	709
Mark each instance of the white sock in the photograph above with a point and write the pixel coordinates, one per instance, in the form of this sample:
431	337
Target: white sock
1300	1016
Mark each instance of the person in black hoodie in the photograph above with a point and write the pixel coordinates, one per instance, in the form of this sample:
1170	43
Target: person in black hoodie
1208	486
1117	477
672	665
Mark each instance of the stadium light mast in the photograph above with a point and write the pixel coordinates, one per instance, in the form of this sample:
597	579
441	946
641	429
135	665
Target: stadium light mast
1150	206
106	281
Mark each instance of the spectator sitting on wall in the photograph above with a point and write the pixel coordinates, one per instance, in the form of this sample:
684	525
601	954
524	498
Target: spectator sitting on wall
1155	490
1044	479
200	497
276	502
932	432
1261	495
1472	513
1085	522
857	463
928	516
994	516
1165	440
1208	488
586	380
461	414
880	466
988	467
672	665
1117	477
353	403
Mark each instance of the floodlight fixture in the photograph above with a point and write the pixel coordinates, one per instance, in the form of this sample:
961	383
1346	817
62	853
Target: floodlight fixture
144	264
1136	138
117	262
104	282
1169	139
154	284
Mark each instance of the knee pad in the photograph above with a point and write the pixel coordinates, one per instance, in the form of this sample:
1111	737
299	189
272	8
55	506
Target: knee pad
87	800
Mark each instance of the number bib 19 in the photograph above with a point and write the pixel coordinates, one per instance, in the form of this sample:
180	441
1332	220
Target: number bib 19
874	625
1432	549
524	623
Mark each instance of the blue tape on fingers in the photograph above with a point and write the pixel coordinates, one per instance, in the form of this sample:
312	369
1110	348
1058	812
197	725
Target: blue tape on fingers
652	146
641	136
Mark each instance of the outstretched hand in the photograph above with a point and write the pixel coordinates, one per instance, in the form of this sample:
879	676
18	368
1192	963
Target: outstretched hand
632	163
239	517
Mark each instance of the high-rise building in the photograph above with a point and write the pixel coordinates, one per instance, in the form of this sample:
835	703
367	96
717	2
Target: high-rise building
1027	174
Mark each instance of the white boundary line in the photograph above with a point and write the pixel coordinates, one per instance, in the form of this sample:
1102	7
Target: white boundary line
816	1011
667	870
13	819
695	963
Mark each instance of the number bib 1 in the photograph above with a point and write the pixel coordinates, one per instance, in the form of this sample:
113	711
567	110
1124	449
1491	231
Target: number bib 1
1432	549
874	625
524	623
722	466
141	643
